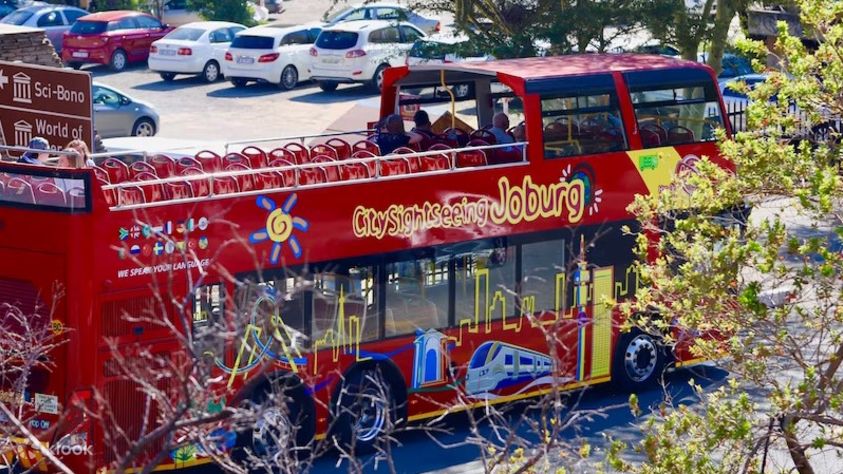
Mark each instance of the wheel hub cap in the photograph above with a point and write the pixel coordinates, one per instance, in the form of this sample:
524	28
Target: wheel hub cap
640	358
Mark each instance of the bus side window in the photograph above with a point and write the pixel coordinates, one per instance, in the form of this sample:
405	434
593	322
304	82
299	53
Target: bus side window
486	277
684	110
582	124
208	304
544	275
416	295
355	288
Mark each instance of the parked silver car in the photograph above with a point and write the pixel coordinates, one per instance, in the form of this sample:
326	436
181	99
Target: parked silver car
383	11
53	19
118	115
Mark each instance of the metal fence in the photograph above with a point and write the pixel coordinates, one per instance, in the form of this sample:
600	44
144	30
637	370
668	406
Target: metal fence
806	129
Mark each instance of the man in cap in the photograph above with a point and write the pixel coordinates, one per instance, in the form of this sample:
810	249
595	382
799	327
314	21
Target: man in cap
33	158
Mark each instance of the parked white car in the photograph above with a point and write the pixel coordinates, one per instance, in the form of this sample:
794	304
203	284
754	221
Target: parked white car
270	54
360	51
384	11
195	48
442	49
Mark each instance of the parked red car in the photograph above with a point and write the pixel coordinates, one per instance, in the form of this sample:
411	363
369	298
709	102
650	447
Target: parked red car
115	38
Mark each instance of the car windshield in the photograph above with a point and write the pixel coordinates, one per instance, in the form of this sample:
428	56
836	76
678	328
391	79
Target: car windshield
186	34
333	16
88	27
17	17
252	42
336	40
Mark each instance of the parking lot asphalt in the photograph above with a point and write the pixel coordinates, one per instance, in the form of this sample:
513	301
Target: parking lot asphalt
191	109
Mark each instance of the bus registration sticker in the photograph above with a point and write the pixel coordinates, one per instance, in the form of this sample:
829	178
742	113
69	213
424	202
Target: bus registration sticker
47	403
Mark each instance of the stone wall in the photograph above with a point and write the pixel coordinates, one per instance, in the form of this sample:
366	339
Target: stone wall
29	45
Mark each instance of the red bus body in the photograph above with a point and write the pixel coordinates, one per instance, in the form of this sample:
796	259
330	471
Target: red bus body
498	244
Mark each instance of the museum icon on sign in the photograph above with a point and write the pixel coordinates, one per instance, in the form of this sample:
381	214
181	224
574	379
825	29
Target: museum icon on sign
23	133
22	88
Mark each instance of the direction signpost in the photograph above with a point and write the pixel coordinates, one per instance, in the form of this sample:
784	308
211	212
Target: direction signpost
39	101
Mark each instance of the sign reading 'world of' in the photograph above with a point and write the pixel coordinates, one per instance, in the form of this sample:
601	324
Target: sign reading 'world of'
38	101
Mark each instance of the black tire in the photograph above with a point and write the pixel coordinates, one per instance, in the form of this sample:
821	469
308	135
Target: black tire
144	127
292	408
76	66
239	82
328	86
364	411
377	80
119	60
211	72
168	76
289	78
639	361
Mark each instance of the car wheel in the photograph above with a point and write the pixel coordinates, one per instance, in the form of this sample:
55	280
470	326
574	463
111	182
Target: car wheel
239	82
76	66
118	60
144	127
289	78
377	79
211	72
639	360
168	76
328	86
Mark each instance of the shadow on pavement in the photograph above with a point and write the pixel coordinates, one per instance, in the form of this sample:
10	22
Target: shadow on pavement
100	70
180	82
345	93
253	89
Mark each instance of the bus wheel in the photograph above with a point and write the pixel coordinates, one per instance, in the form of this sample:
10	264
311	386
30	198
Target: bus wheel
365	410
639	360
284	425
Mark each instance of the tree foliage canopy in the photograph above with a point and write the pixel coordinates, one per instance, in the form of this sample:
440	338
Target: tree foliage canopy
786	391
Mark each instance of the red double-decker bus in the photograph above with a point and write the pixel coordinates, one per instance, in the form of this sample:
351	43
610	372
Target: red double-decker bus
437	271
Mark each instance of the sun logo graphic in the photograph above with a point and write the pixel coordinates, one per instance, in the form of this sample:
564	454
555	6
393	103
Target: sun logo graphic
280	224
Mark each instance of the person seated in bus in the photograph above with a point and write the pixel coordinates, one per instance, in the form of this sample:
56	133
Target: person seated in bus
34	158
395	136
423	125
81	160
500	125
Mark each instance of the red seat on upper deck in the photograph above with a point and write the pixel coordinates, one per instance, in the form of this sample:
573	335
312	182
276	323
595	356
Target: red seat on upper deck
349	171
179	190
186	163
19	190
300	153
341	146
245	182
371	164
199	185
313	175
76	198
164	165
434	163
470	158
211	162
412	161
225	185
288	174
366	145
130	195
140	167
152	192
235	159
484	135
101	174
257	157
678	135
650	138
108	194
323	150
48	194
116	169
394	166
332	171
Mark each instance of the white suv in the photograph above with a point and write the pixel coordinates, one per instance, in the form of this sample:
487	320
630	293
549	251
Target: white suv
360	51
270	54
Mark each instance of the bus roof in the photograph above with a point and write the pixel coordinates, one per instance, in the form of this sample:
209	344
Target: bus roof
570	65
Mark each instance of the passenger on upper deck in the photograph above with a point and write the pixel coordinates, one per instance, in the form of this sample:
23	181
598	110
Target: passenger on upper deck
33	158
500	124
423	125
83	159
80	160
395	136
